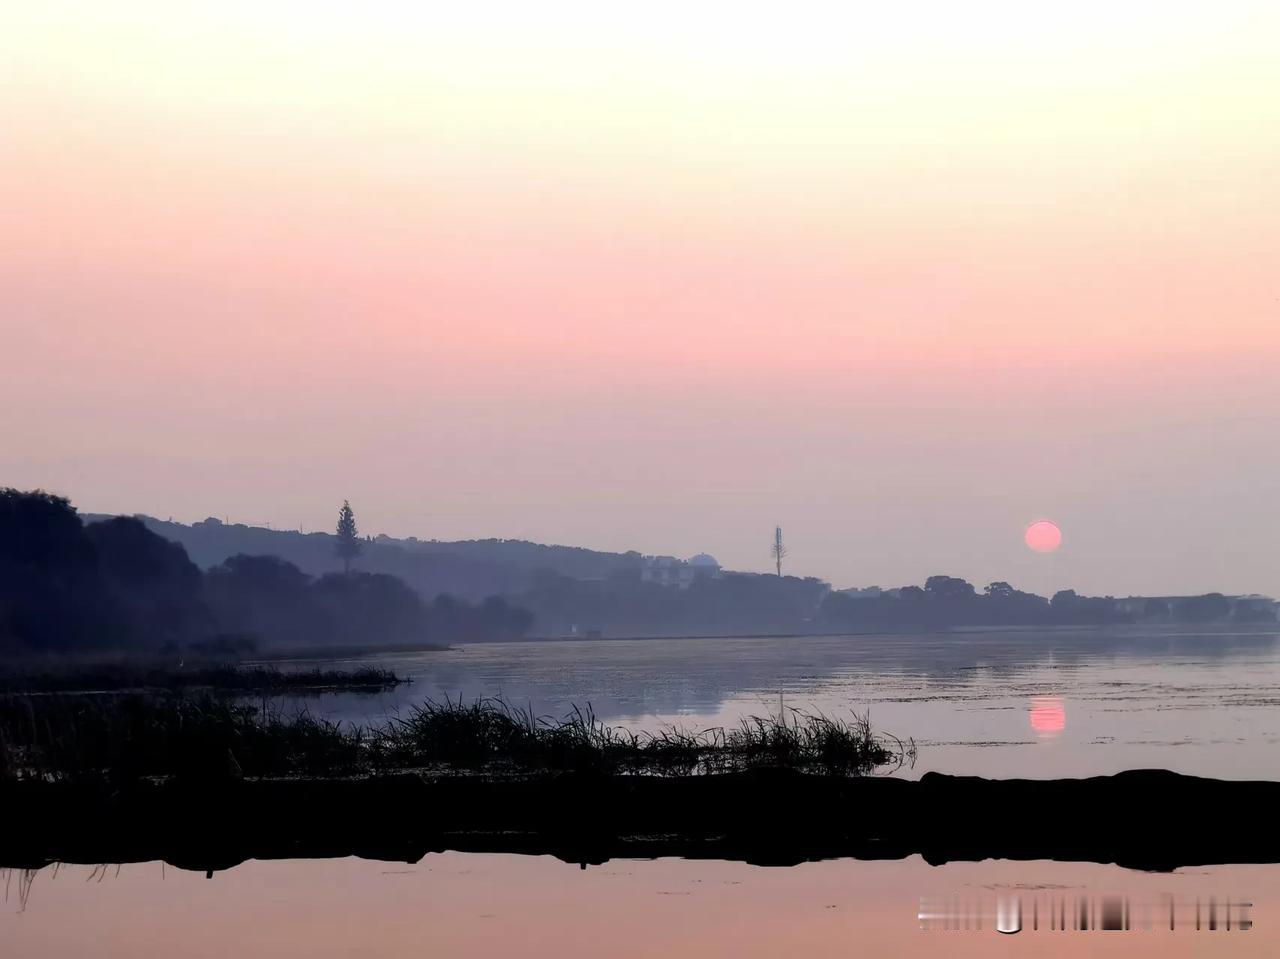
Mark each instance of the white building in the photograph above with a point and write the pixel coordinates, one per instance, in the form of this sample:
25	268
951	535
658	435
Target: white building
680	573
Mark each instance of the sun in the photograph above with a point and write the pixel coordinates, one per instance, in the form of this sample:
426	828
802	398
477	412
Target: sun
1043	536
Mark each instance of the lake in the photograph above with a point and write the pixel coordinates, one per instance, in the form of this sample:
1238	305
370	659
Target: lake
456	905
1034	704
1009	704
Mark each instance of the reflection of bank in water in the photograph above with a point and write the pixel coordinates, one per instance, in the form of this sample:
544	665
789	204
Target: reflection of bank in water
1047	716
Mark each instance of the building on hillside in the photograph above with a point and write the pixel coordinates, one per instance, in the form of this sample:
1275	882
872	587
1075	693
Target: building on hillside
680	573
865	592
1252	608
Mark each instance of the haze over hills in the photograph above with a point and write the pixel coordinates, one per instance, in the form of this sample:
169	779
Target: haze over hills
468	569
568	590
114	584
571	590
74	582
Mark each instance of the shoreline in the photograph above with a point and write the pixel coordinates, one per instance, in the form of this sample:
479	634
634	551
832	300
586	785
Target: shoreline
308	653
1151	820
1134	629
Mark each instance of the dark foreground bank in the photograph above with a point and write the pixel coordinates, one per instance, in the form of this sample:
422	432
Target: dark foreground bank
1145	819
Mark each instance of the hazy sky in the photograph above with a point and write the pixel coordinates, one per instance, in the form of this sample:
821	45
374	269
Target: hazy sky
902	278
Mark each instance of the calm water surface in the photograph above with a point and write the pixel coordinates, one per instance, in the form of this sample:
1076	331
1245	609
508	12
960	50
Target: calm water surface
1002	704
1032	704
455	905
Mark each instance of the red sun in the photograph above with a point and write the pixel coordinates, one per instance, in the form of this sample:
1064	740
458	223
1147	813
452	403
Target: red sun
1043	536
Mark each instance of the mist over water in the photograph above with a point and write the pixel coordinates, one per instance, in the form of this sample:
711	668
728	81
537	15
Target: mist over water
1005	704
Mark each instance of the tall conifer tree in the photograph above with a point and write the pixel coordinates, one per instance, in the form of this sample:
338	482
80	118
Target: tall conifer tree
347	544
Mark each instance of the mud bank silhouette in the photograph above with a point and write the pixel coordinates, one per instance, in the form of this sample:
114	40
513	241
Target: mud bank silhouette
1143	819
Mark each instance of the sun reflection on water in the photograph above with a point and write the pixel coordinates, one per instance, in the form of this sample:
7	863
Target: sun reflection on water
1047	715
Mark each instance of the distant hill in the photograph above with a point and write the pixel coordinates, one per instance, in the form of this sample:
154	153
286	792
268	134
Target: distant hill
569	590
470	569
116	584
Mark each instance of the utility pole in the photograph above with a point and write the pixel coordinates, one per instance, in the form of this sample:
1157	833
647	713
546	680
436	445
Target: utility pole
778	549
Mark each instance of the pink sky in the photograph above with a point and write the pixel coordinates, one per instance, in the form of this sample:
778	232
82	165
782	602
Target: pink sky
660	281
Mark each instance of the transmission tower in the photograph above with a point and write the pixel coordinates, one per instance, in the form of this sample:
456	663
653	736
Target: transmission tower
778	550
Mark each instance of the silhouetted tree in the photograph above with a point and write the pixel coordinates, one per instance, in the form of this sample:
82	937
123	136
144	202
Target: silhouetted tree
51	593
1070	608
67	586
271	599
371	608
1004	605
44	557
154	583
950	588
264	597
498	619
348	544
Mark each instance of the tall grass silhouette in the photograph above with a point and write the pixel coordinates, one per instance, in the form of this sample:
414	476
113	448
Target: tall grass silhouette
130	736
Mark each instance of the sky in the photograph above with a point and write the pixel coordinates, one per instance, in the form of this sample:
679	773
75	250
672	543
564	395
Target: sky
900	278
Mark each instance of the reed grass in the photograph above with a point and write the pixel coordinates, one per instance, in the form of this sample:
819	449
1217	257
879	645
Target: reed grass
132	736
122	737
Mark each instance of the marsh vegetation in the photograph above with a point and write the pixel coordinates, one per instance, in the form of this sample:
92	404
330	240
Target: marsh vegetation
132	736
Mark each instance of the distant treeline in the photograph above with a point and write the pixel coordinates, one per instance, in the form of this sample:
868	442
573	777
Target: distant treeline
724	604
67	586
948	601
746	604
267	596
470	569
